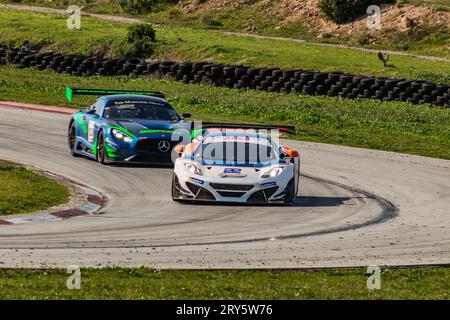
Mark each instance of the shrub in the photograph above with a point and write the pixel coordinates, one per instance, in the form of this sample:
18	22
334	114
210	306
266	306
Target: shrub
341	11
141	32
211	22
139	42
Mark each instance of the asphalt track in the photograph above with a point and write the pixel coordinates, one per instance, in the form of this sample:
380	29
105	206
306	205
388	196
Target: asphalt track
357	207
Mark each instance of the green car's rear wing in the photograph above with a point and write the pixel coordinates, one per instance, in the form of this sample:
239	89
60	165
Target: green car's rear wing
70	92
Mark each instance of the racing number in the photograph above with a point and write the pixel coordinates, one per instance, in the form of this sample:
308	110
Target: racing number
91	131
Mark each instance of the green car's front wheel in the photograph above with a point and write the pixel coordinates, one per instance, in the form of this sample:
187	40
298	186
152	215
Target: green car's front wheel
72	138
101	149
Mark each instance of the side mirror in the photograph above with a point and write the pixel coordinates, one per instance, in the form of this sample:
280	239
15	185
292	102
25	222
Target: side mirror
187	115
90	111
179	148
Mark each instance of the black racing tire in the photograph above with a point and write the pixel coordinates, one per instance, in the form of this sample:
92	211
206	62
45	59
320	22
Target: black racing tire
164	68
309	90
265	72
290	192
71	138
101	152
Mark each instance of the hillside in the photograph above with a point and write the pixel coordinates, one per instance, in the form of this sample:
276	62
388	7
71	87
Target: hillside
405	26
308	13
416	26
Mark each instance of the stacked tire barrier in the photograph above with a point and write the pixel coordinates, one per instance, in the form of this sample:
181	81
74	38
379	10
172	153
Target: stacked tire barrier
306	82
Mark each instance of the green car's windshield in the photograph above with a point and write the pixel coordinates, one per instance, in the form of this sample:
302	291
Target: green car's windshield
141	110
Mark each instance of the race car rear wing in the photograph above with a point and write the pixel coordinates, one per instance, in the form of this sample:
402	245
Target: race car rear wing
70	92
286	129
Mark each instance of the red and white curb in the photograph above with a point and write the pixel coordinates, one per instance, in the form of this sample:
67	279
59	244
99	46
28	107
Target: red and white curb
94	200
35	107
93	203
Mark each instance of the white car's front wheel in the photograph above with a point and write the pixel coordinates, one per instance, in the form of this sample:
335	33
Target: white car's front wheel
175	194
290	192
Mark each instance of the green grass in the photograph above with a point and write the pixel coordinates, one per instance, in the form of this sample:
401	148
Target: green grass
95	6
22	191
143	283
194	44
401	127
426	40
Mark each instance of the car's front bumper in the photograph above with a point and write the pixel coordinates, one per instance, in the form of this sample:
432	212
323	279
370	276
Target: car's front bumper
195	189
142	151
141	159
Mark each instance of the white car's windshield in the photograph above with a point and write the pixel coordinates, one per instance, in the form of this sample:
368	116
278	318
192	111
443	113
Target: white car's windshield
234	151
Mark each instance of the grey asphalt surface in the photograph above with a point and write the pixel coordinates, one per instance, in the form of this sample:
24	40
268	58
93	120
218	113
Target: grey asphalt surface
357	207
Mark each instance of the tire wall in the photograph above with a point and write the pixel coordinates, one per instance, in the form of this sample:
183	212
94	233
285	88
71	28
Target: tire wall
305	82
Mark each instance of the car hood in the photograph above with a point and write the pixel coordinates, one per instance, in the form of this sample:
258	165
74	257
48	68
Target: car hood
234	164
228	173
140	126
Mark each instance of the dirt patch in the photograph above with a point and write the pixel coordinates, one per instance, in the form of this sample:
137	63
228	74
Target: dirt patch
394	17
205	6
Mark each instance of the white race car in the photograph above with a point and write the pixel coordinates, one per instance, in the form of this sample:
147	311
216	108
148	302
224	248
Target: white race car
236	165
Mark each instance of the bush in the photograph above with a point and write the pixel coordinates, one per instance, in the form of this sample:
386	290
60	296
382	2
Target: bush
341	11
141	32
139	42
211	22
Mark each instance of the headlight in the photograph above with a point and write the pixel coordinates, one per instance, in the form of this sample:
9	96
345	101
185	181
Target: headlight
119	135
192	168
271	173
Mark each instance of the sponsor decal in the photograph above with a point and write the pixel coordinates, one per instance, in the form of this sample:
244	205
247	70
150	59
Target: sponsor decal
232	173
197	180
232	170
91	130
128	102
268	184
150	131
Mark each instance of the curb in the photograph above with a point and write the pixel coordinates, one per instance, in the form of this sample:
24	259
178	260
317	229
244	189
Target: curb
28	106
94	200
93	203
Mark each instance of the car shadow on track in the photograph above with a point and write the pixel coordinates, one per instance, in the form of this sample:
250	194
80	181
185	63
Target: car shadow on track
309	202
317	201
141	165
